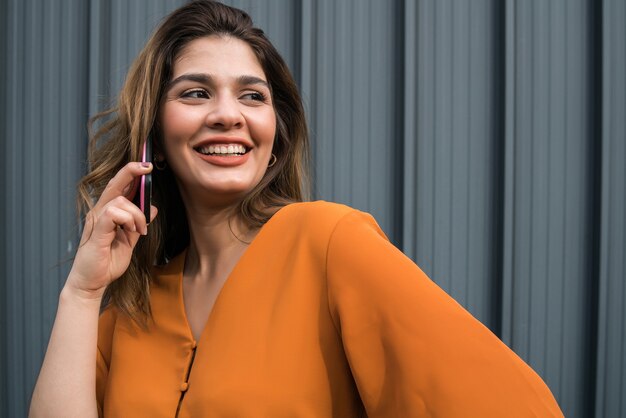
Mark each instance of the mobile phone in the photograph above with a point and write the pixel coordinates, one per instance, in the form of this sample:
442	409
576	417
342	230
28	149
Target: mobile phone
143	196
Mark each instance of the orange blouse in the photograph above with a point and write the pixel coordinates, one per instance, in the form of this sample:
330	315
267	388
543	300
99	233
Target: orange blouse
321	317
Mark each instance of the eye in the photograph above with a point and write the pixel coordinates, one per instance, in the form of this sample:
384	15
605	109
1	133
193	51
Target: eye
254	96
195	94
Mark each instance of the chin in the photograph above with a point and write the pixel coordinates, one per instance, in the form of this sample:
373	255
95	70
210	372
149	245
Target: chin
217	190
232	191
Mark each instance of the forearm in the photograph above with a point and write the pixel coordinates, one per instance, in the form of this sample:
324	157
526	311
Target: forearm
67	381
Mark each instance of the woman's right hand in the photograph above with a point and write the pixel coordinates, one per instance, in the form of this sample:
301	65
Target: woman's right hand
112	229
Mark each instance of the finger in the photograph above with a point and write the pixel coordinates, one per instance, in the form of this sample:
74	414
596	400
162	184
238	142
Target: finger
108	219
130	190
112	218
118	185
139	218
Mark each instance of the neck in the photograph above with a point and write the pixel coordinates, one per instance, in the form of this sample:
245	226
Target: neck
218	238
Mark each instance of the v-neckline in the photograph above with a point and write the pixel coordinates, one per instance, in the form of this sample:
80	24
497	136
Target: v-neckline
229	279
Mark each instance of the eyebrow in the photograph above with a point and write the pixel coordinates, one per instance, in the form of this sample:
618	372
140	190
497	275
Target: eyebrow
207	79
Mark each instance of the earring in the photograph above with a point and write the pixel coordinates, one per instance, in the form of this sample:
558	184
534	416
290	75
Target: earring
160	164
273	160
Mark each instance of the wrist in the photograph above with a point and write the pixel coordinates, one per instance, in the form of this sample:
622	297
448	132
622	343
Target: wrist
72	292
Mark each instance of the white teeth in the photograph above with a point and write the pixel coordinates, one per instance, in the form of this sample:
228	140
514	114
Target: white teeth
223	149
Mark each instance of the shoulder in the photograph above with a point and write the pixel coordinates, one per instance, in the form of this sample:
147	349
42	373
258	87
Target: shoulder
321	214
319	210
320	221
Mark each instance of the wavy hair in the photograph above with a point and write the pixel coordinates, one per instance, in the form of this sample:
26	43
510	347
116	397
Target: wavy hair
123	128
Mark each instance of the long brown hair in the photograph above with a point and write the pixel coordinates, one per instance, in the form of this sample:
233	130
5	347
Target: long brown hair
120	138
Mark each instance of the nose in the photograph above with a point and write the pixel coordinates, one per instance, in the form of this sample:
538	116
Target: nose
225	113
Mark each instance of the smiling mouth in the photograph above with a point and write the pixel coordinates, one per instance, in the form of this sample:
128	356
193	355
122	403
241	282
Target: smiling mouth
222	150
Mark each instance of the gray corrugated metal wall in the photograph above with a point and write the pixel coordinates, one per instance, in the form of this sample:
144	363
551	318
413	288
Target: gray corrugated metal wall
487	137
44	103
550	201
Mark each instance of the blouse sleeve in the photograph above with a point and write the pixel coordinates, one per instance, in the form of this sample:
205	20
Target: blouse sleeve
412	349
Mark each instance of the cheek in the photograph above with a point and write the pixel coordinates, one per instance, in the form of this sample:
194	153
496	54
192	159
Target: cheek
177	122
263	128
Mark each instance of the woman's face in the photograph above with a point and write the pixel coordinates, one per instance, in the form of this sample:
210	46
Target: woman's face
217	119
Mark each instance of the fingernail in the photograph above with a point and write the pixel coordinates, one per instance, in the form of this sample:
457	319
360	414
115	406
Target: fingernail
145	165
145	230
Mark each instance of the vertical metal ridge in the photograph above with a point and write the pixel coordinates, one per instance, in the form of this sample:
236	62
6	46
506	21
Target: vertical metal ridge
15	63
528	262
399	121
611	336
562	378
595	130
51	181
310	85
549	155
29	292
298	46
371	124
508	245
409	105
602	360
468	170
303	53
497	170
5	24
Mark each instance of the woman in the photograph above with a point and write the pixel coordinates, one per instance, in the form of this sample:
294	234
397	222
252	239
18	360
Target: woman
237	300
